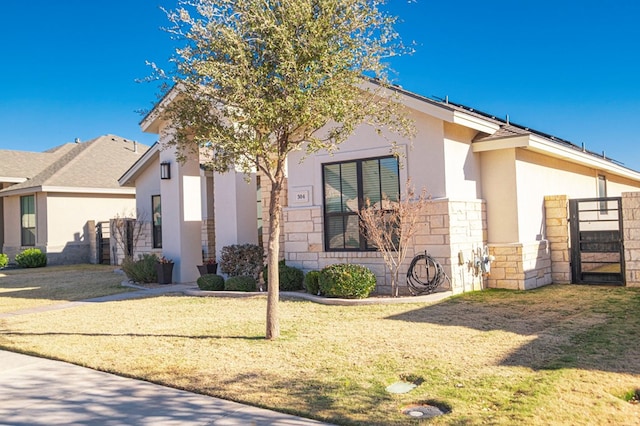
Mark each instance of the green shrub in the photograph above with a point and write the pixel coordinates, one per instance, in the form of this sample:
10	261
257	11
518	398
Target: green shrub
242	259
240	283
4	260
142	270
211	282
346	280
31	258
290	278
311	283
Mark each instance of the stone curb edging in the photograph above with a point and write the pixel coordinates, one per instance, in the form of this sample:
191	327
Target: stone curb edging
430	298
192	290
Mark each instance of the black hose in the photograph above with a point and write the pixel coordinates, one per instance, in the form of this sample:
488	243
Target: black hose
434	272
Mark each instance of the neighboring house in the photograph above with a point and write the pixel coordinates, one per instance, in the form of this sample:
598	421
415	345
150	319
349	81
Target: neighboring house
496	188
182	223
53	200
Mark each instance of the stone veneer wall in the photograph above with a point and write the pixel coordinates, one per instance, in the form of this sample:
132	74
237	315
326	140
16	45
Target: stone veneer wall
520	266
557	229
447	228
631	235
144	244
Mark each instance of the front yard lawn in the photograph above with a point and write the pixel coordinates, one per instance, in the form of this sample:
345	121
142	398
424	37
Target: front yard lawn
30	288
556	355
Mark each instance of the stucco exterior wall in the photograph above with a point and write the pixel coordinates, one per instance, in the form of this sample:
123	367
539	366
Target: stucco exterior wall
70	238
65	224
181	213
236	209
500	192
462	166
147	185
539	175
13	239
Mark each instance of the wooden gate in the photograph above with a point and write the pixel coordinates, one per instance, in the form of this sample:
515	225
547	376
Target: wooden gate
597	246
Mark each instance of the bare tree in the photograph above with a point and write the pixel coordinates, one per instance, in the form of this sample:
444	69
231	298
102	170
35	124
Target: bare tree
127	229
390	224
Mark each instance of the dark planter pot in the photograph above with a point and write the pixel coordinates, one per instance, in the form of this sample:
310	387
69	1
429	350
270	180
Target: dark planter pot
209	268
165	273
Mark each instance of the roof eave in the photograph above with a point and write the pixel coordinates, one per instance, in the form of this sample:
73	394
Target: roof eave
152	121
67	190
129	177
8	179
436	109
553	149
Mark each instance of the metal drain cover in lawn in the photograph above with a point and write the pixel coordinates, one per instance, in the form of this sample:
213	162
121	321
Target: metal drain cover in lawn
424	411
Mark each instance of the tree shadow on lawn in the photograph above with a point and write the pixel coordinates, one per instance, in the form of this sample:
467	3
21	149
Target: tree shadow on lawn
594	328
169	336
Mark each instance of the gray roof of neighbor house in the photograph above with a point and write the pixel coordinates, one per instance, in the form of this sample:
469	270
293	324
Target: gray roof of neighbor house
92	166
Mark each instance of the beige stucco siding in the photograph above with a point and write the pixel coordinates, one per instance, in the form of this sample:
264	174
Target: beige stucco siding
422	159
539	175
500	193
147	185
12	237
12	221
462	167
68	215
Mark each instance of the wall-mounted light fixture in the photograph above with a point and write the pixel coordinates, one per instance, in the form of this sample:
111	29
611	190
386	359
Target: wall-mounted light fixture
165	170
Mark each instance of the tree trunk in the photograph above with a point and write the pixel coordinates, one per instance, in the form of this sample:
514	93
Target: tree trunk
273	253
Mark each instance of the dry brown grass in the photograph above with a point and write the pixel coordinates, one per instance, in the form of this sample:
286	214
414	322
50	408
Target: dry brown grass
30	288
557	355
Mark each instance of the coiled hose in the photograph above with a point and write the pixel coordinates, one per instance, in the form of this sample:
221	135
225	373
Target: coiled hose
425	274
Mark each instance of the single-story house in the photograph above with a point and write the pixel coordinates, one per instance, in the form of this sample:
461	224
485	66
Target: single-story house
53	200
497	190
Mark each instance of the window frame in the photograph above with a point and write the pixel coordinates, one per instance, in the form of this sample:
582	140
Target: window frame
23	228
156	230
364	245
602	193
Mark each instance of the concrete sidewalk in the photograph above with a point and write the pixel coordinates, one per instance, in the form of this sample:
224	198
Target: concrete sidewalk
38	391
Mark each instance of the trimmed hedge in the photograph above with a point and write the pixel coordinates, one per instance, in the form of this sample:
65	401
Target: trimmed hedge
311	283
240	283
142	270
31	258
346	280
211	282
4	260
290	278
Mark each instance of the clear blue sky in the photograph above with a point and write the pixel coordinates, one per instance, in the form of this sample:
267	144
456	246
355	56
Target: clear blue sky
569	68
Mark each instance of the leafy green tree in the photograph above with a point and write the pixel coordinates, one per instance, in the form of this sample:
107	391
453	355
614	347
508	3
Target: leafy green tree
258	79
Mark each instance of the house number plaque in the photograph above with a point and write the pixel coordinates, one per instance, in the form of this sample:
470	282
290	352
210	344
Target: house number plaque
302	196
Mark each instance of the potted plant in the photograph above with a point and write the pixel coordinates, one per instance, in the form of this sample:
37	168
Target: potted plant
209	267
164	268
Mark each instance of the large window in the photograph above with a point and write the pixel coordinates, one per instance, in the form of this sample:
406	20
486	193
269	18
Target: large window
346	187
28	220
156	221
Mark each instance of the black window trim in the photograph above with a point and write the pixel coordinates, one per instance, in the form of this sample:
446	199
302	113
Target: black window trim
35	225
154	242
363	247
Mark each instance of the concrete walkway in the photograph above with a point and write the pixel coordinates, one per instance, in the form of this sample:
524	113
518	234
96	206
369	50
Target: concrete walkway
38	391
